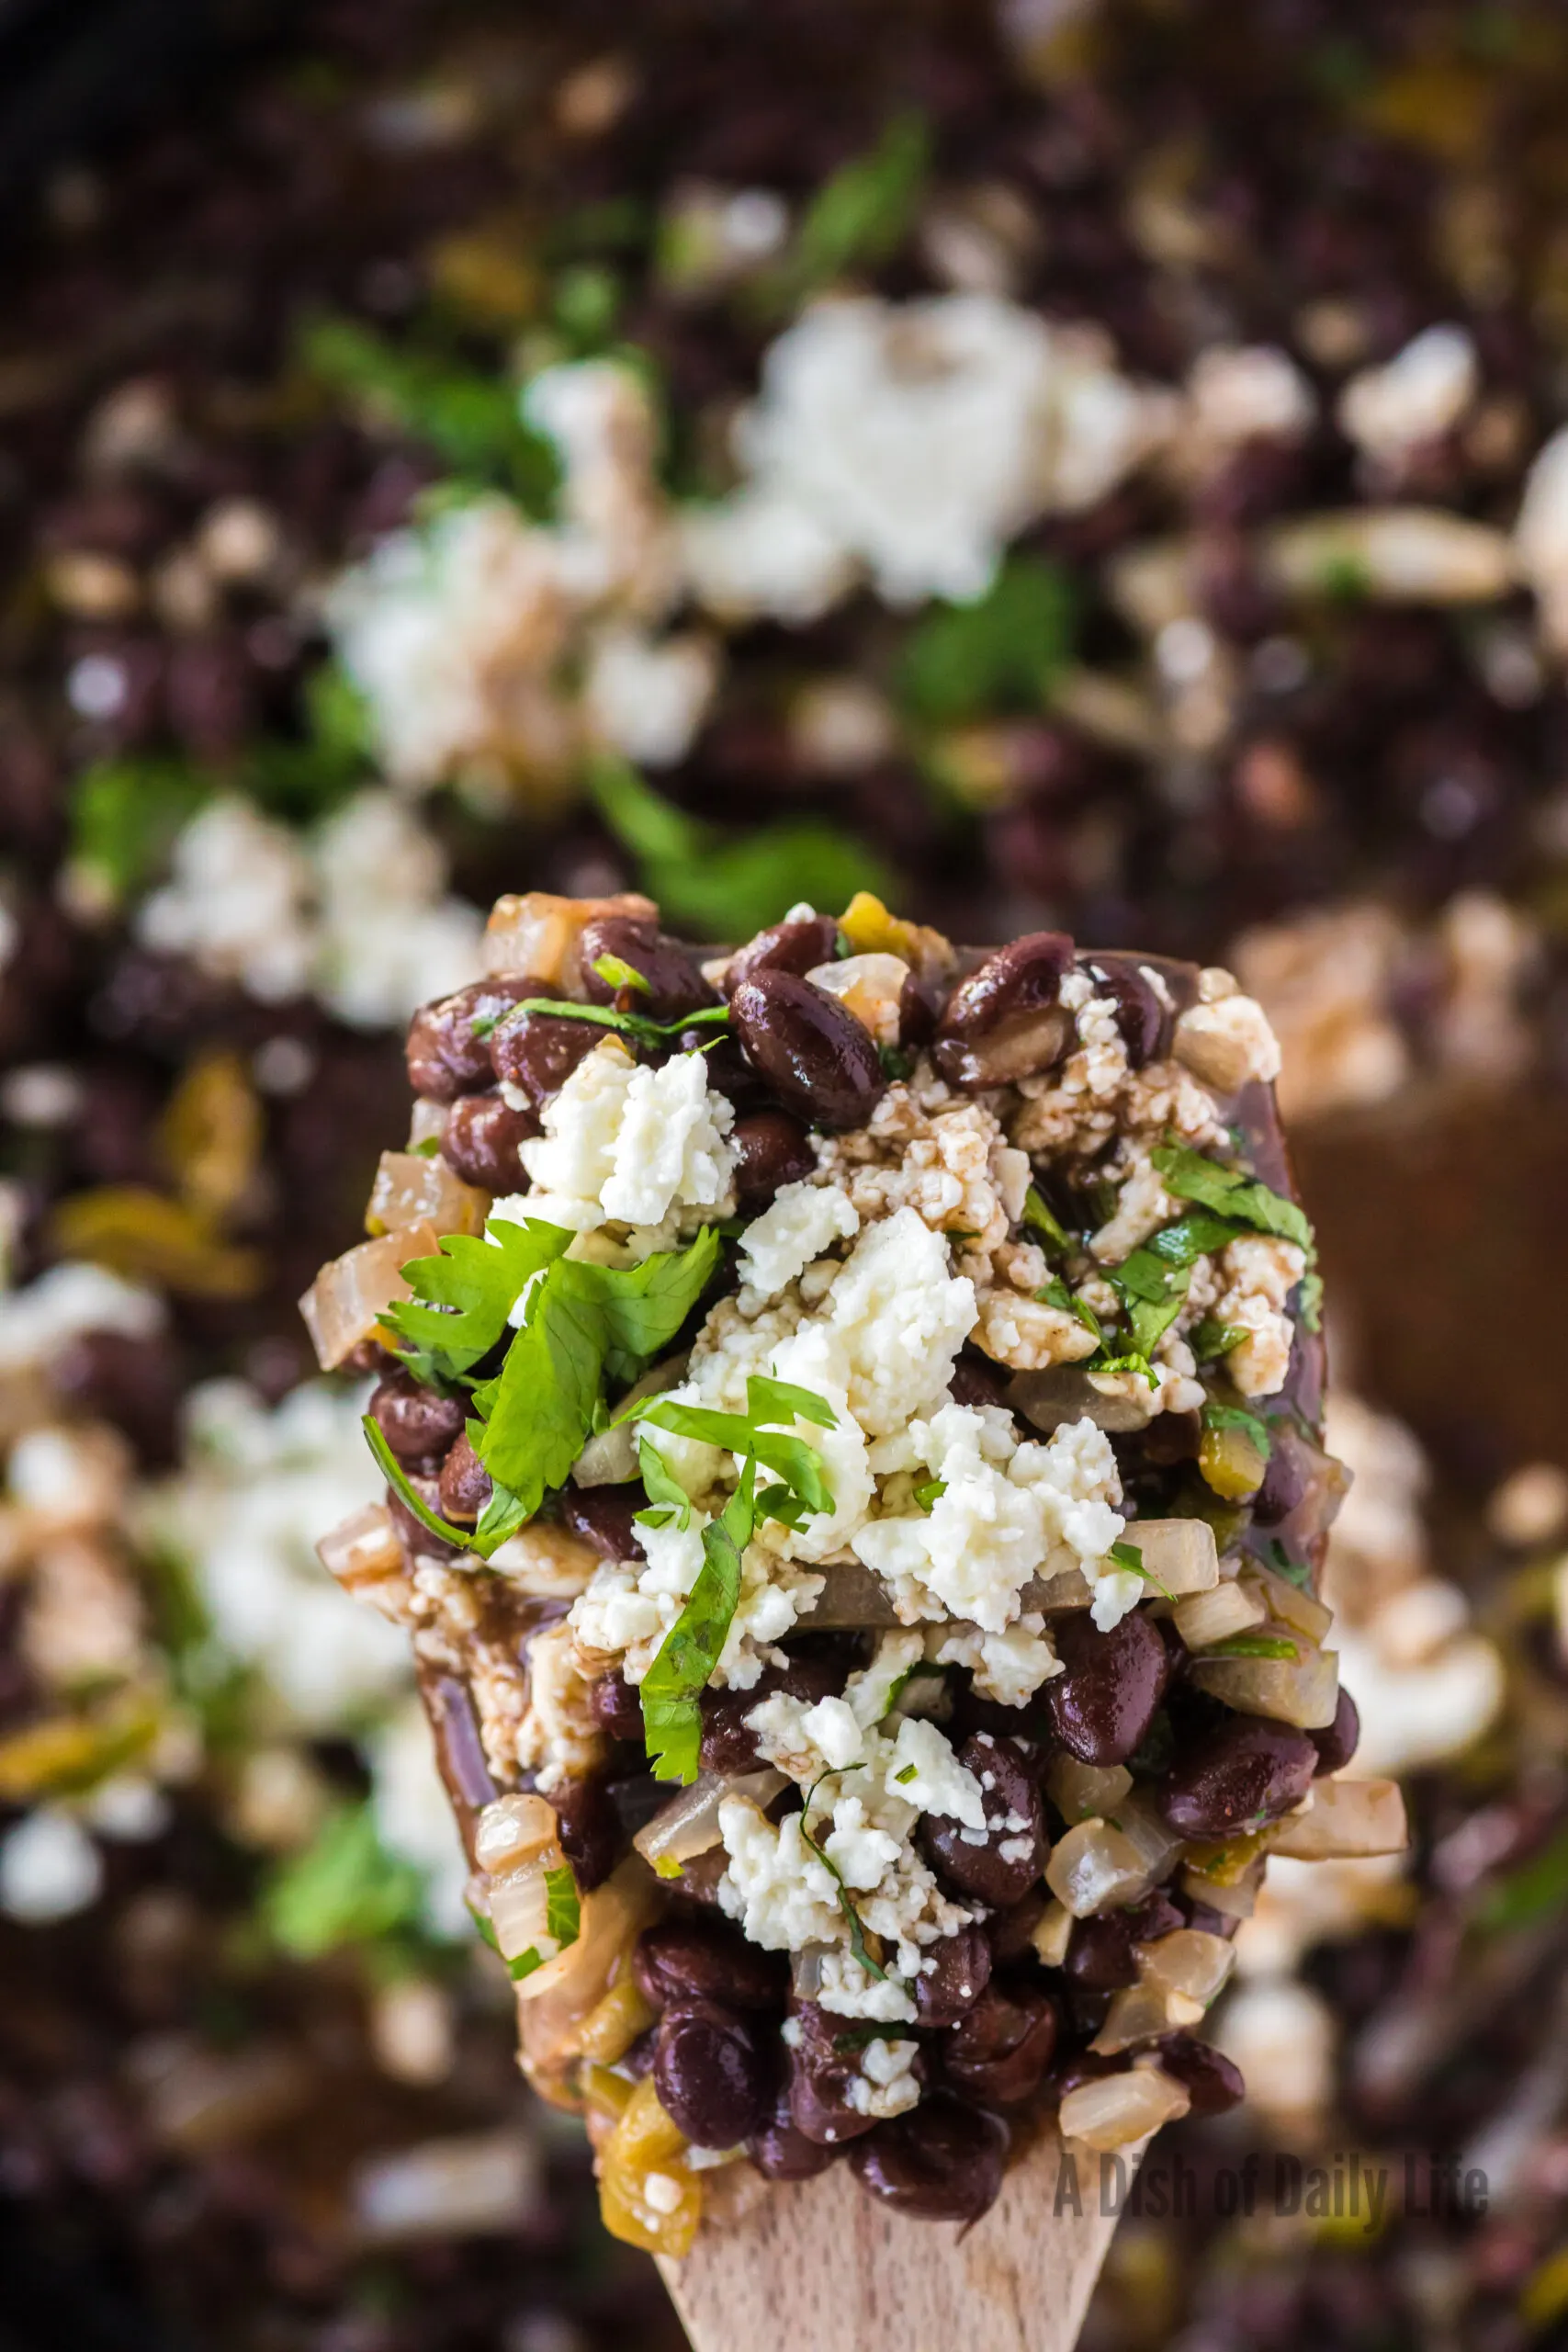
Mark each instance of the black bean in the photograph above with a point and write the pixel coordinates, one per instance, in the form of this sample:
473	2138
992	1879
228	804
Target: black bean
976	1381
1239	1776
727	1746
1011	1932
413	1533
780	2152
417	1424
709	1959
940	2162
459	1748
444	1057
604	1517
1140	1017
482	1141
960	1971
810	1052
1004	1863
616	1706
1006	1021
591	1835
998	2053
1212	2081
770	1149
796	946
1338	1741
919	1009
728	1071
1100	1954
1102	1705
714	2075
821	2064
536	1052
1079	2066
674	984
1292	1465
465	1482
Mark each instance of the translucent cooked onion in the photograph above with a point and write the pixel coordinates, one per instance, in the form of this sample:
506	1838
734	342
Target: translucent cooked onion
1181	1552
851	1596
1189	1961
1236	1898
512	1830
1141	2013
1079	1792
537	933
1068	1589
806	1971
1149	1834
344	1303
567	1990
688	1824
610	1459
1096	1867
1053	1934
1065	1392
363	1552
518	1902
1302	1612
1121	2109
1209	1617
410	1189
1344	1820
1303	1690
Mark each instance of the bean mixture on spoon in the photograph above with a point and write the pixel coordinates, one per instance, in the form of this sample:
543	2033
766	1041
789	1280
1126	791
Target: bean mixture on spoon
850	1411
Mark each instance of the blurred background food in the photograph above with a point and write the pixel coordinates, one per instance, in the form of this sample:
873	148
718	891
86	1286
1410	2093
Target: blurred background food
1094	462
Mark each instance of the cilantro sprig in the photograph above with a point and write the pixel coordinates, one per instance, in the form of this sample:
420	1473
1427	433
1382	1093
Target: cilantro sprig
1129	1557
859	1948
639	1025
1230	1193
1217	1416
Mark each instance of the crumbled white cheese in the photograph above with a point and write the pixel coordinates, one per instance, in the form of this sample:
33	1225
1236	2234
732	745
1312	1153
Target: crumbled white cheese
628	1142
927	1774
1261	1271
1419	395
900	1317
1228	1043
1254	393
1009	1667
49	1869
884	2083
629	1606
801	1221
648	698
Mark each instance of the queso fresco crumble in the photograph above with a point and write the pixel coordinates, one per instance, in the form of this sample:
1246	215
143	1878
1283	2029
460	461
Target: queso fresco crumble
851	1415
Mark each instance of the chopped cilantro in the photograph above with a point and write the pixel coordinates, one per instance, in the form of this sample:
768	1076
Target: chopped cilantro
1253	1645
1237	1416
666	1866
462	1300
427	1150
1044	1221
1209	1340
484	1025
1004	652
1128	1557
906	1775
858	1946
667	1498
640	1026
895	1063
343	1888
860	2037
617	974
861	214
1311	1300
1230	1193
397	1478
126	815
930	1493
1056	1293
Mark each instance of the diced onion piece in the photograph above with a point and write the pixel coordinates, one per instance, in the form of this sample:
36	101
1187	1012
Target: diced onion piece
1304	1690
1096	1867
411	1189
538	932
1068	1589
362	1552
512	1830
1209	1617
1302	1612
428	1119
1150	1836
1121	2109
806	1971
1052	1935
851	1596
1181	1552
1344	1821
555	2003
688	1824
345	1301
1079	1792
519	1906
546	1561
869	986
1065	1392
1236	1898
1187	1961
1141	2013
610	1459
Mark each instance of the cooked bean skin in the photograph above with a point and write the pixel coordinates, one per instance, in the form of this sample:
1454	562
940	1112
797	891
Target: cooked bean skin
591	1834
727	1746
1212	2081
998	2053
1292	1465
682	1959
484	1140
1080	2066
795	946
780	2152
604	1517
413	1533
809	1052
465	1482
960	1974
821	2064
987	1871
713	2074
674	984
1006	1021
770	1149
940	2162
1143	1021
617	1707
1338	1741
417	1424
1101	1707
536	1052
1240	1776
1099	1956
444	1058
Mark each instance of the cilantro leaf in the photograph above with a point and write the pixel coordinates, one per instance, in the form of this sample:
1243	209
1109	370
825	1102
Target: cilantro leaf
672	1718
1209	1340
859	1948
782	1403
1003	653
1056	1293
617	974
1253	1645
1231	1192
1130	1559
397	1478
640	1026
343	1888
1044	1221
667	1498
929	1494
1237	1416
863	213
463	1299
563	1911
126	815
643	1307
790	1458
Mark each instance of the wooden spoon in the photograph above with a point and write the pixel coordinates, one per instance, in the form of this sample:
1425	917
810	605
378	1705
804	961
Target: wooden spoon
820	2266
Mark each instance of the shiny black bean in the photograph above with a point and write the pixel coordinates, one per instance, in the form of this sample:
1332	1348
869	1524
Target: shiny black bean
714	2075
1099	1955
1011	1932
417	1424
465	1482
536	1052
1101	1707
1006	1021
795	947
459	1748
1212	2081
998	2053
1003	1865
1238	1777
483	1138
940	2162
727	1746
959	1974
730	1072
674	984
976	1381
1079	2066
413	1533
1292	1465
1338	1741
1141	1018
444	1057
709	1959
780	2152
604	1517
821	2064
592	1835
617	1707
811	1053
919	1009
770	1149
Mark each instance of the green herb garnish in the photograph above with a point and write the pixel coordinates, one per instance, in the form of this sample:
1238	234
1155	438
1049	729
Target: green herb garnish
863	213
1253	1645
463	1299
1230	1193
930	1493
615	974
1004	652
398	1478
343	1888
858	1946
895	1063
1129	1557
1044	1221
1237	1416
1209	1340
1056	1293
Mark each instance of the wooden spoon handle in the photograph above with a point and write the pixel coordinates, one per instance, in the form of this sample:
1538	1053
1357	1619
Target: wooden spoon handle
819	2267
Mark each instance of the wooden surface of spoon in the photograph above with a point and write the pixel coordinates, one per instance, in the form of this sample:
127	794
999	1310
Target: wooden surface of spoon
819	2266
